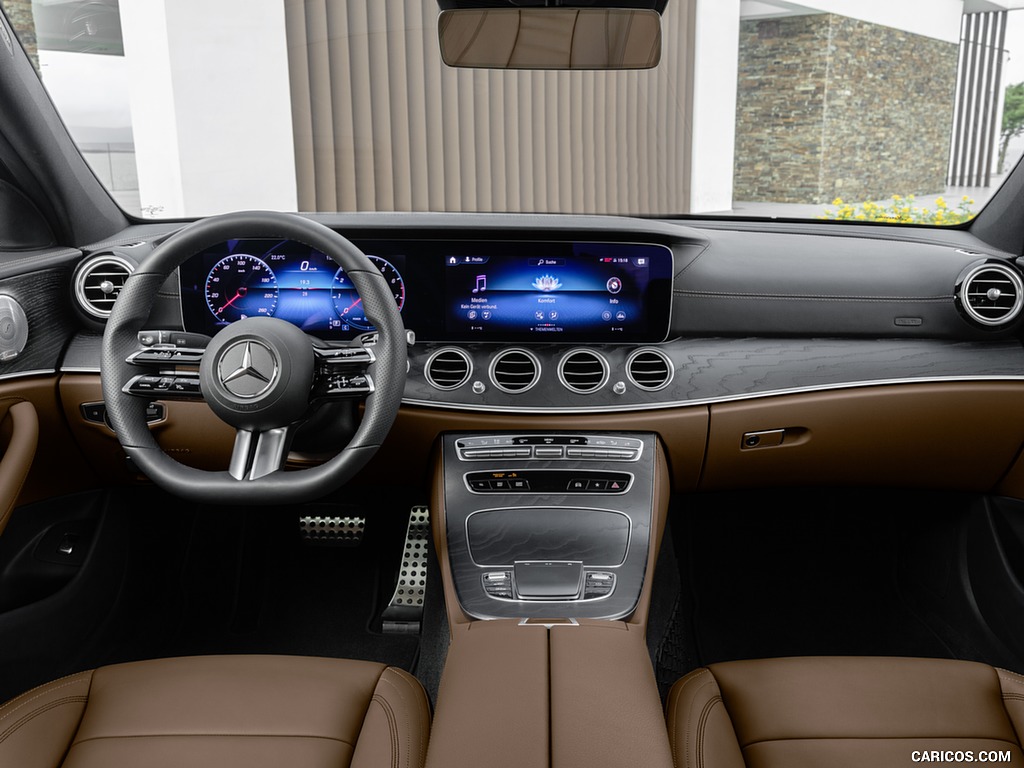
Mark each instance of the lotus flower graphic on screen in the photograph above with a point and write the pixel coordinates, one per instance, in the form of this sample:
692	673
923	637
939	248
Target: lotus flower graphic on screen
547	283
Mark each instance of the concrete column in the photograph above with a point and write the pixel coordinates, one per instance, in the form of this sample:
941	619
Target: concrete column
211	106
715	57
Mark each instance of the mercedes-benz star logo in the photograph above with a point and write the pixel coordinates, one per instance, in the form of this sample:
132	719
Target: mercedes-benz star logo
247	369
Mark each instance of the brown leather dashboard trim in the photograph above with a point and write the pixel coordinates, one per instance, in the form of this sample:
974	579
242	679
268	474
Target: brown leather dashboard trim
18	455
957	436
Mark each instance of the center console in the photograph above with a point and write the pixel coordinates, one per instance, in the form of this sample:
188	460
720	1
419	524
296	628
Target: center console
551	538
547	525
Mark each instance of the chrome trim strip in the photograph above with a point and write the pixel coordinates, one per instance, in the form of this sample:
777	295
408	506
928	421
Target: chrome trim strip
23	374
625	408
707	400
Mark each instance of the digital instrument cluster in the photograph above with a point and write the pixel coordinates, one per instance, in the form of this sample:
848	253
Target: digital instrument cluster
446	290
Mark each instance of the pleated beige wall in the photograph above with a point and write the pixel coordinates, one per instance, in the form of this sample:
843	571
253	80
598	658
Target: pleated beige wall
381	124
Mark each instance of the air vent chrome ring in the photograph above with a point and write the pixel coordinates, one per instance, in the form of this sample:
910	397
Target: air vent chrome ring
448	356
982	289
578	357
647	355
99	306
509	357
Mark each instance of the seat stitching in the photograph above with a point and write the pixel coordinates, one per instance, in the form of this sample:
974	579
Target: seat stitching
1018	678
705	714
39	711
392	726
214	735
1018	696
677	694
879	738
42	691
408	736
689	723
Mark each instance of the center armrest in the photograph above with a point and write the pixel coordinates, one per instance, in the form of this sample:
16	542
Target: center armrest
548	694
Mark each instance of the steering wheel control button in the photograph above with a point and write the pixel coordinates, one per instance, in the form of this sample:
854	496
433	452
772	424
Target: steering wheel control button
248	369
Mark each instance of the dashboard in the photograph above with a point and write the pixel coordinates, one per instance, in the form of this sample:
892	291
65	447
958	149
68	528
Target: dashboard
447	290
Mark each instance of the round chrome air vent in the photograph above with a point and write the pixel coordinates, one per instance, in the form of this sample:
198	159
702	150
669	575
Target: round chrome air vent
650	369
514	370
448	368
97	282
991	294
582	371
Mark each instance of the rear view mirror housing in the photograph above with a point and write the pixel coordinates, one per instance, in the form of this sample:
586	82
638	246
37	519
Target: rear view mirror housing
550	38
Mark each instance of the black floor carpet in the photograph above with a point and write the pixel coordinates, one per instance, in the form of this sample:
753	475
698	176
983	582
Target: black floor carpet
241	581
793	573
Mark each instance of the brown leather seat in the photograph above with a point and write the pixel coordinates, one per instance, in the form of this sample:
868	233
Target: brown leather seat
221	711
845	712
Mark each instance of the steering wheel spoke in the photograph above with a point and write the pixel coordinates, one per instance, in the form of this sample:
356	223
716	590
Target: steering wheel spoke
258	453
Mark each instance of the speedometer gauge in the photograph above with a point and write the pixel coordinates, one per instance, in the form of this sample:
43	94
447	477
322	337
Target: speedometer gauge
241	286
349	306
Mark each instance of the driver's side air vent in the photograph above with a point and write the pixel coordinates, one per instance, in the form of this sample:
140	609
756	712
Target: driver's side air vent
98	281
583	371
448	368
991	294
650	369
514	370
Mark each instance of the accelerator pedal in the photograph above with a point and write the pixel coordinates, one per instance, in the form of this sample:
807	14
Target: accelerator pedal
405	611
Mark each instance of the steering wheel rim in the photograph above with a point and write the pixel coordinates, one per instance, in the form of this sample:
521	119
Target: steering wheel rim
132	309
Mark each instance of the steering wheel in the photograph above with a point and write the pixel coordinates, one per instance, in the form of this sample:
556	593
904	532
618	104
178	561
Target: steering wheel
260	375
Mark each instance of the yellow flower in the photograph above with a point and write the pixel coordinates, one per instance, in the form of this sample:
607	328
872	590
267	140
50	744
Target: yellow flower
940	202
837	201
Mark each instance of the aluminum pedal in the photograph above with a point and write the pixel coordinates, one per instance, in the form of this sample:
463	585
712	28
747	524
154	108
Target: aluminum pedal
405	611
334	531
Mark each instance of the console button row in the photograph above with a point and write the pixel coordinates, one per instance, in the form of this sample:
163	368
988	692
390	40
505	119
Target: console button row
496	453
498	584
596	584
600	453
599	485
500	485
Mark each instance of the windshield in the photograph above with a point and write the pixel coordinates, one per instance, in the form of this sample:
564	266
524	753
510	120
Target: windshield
908	112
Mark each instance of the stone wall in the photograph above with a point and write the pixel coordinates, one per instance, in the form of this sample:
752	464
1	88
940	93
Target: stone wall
19	13
829	106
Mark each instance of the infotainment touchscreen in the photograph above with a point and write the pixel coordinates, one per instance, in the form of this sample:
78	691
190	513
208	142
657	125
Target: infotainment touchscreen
550	291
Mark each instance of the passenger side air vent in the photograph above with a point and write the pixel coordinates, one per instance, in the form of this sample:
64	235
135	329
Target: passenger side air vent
991	294
98	281
448	368
514	370
650	369
583	371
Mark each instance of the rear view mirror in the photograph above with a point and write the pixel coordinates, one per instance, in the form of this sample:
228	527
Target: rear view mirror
550	38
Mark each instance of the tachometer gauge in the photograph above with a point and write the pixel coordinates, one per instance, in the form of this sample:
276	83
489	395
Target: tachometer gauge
349	306
241	286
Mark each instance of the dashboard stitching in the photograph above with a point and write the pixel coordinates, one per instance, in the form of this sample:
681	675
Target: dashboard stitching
811	297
